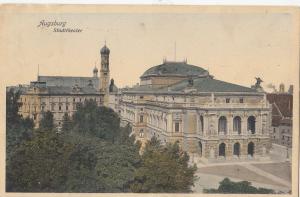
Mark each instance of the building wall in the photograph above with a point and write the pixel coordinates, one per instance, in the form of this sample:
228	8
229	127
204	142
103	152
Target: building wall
34	105
174	118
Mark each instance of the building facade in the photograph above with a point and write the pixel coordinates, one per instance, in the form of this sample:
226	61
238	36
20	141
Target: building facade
282	116
212	119
62	94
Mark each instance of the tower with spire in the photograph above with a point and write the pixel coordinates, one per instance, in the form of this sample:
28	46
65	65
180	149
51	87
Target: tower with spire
104	72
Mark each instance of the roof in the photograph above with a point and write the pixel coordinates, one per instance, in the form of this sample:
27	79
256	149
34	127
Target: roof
65	90
200	84
175	69
67	81
283	101
105	49
71	90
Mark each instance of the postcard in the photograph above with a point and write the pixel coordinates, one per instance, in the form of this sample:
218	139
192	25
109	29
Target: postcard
160	100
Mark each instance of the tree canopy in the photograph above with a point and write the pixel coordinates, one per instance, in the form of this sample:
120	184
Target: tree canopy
243	187
92	153
163	169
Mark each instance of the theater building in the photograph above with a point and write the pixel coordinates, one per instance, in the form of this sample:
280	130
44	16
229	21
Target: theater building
209	118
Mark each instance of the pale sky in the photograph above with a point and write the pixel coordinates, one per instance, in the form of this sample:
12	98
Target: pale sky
235	47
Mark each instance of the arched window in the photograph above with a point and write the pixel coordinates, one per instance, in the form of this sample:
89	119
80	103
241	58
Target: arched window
251	124
237	124
251	149
222	125
200	147
222	148
236	149
201	124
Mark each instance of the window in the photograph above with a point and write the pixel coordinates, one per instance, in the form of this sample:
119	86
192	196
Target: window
67	107
202	124
274	130
227	100
141	118
176	126
141	97
59	107
141	133
222	125
73	99
251	124
43	108
241	100
142	109
237	124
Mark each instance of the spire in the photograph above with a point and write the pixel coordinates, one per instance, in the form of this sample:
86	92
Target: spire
38	71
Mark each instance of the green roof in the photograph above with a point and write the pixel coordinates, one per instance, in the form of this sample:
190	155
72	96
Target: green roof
200	84
208	84
175	69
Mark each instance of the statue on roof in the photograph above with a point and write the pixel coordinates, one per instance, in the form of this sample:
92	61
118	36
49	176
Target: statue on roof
257	85
258	81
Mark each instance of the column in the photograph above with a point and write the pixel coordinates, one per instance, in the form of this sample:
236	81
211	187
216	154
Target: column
229	124
244	125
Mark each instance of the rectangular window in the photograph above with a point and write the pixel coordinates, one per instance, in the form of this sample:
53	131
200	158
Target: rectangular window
241	100
141	118
141	97
67	107
59	108
227	100
141	133
176	126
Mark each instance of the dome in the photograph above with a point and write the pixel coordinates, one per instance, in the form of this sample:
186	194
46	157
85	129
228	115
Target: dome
181	69
105	50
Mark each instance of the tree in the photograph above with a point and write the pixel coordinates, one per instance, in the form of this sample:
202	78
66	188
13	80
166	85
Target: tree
18	129
163	169
40	164
243	187
47	122
101	121
77	160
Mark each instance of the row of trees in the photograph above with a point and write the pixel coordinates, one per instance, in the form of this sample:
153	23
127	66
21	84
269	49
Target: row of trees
92	153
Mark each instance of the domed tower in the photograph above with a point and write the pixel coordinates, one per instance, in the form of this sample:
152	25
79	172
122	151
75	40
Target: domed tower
104	73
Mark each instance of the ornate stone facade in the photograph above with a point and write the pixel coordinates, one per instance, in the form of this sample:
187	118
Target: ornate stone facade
212	119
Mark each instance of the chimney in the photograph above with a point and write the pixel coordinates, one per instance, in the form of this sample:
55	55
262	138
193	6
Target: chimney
281	88
291	88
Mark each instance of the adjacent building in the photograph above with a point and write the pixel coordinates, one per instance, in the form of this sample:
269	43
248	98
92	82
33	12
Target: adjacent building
282	116
61	94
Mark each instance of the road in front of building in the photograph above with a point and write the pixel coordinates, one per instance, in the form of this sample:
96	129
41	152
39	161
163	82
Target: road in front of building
271	175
